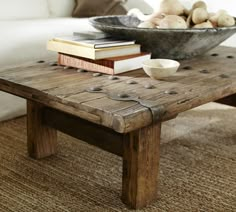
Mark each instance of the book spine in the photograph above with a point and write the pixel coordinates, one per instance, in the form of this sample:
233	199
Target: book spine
103	66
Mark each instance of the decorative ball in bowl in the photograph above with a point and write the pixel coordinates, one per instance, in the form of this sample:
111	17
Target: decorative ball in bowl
164	43
160	68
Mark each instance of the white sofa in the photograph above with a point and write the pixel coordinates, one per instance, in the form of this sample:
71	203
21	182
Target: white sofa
25	27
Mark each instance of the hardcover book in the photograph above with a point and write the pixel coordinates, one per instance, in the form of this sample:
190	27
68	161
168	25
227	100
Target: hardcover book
114	65
92	53
93	35
94	43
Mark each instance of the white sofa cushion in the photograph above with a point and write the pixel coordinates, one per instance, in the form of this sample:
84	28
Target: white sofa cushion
61	8
27	39
23	9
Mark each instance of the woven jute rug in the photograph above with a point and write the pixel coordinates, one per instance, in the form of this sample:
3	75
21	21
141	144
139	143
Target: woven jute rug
197	169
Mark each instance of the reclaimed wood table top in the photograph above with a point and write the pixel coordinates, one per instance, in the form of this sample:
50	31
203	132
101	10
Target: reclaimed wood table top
199	80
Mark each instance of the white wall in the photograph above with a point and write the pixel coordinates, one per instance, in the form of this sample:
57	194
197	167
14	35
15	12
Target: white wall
213	6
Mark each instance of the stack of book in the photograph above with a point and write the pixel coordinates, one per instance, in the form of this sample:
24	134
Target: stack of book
98	53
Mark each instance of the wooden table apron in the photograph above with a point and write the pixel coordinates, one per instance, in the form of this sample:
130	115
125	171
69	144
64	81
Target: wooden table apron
57	100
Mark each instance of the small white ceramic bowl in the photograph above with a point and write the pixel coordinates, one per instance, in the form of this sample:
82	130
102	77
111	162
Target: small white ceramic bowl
160	68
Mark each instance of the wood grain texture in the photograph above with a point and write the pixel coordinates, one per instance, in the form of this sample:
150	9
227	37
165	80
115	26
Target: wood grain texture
41	139
140	166
93	134
199	80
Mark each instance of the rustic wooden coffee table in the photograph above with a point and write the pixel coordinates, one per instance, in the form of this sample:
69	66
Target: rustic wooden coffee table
121	115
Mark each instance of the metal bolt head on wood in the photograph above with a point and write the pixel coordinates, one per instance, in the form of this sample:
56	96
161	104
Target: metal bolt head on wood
148	86
80	70
113	78
187	67
171	92
204	71
123	95
67	67
95	88
131	82
41	61
53	64
224	76
97	74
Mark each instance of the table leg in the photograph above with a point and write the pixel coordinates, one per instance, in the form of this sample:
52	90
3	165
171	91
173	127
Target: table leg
141	166
41	139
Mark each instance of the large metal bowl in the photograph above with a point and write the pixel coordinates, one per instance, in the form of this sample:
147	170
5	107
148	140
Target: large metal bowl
164	43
